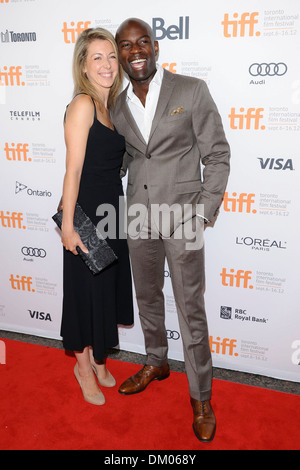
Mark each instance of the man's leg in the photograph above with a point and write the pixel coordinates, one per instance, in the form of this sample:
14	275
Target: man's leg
148	263
187	268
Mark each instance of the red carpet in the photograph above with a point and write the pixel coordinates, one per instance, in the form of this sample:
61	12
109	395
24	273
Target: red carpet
41	407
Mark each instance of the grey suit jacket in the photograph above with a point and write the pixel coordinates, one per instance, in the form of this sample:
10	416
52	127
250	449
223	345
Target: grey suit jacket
186	133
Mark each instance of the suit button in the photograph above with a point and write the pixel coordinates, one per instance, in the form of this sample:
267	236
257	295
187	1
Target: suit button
148	156
145	186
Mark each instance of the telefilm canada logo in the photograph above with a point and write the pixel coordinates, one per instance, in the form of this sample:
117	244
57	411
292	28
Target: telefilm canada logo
24	115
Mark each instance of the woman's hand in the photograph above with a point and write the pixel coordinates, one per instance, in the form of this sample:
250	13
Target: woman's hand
70	239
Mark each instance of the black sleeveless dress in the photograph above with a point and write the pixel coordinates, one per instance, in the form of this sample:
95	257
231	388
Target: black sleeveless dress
93	305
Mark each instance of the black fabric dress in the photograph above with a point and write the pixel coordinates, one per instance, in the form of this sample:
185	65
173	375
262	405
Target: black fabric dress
93	305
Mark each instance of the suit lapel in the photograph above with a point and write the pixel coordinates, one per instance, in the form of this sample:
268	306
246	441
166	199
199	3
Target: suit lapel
139	139
167	86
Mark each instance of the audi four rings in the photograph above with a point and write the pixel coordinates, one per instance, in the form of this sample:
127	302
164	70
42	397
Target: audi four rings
173	335
271	69
36	252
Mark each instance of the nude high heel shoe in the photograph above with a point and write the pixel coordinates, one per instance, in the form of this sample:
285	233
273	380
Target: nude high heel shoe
110	381
97	399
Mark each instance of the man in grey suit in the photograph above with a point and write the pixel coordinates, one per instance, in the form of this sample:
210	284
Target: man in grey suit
171	126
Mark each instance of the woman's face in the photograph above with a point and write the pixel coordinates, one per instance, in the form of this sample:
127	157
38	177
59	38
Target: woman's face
101	66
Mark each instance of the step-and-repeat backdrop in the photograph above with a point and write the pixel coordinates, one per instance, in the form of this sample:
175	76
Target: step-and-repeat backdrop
248	54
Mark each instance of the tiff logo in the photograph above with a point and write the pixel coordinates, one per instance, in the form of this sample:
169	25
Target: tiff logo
240	27
24	283
246	120
226	346
239	279
11	220
17	153
71	33
241	203
11	76
2	353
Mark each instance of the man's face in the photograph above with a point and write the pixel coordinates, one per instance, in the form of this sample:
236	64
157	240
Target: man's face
137	50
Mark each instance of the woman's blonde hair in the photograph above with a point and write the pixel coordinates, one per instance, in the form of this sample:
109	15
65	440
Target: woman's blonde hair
81	82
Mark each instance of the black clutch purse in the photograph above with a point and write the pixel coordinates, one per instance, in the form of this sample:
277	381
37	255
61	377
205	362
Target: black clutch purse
100	254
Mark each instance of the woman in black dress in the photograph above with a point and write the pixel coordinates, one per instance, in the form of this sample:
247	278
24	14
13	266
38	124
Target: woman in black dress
93	305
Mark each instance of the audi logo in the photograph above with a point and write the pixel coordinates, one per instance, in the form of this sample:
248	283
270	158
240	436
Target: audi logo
173	335
35	252
271	69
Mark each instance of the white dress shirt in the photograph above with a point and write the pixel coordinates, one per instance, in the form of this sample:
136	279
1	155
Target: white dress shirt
144	115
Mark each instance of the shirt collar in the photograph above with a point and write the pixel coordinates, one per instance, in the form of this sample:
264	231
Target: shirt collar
157	80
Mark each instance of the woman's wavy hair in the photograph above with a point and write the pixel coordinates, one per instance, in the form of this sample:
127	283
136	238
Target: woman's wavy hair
81	82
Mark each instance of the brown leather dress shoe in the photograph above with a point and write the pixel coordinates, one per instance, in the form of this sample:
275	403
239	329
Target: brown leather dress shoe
204	420
138	382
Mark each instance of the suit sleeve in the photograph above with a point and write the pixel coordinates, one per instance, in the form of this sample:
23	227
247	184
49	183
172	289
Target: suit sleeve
214	150
124	166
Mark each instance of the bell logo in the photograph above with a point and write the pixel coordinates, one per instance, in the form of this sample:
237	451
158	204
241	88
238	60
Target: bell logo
243	120
23	283
242	27
239	279
11	220
17	153
11	76
241	203
224	347
173	32
71	33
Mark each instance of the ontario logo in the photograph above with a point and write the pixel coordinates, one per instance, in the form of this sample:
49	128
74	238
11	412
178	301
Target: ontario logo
20	187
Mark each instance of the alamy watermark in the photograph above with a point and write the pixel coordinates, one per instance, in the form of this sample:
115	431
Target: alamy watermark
2	353
176	221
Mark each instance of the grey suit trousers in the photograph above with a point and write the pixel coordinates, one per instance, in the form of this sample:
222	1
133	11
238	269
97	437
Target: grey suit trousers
187	270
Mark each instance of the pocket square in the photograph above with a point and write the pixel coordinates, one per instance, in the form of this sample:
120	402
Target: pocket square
178	110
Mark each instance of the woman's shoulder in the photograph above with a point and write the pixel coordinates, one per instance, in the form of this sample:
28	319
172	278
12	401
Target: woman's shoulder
81	107
82	100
